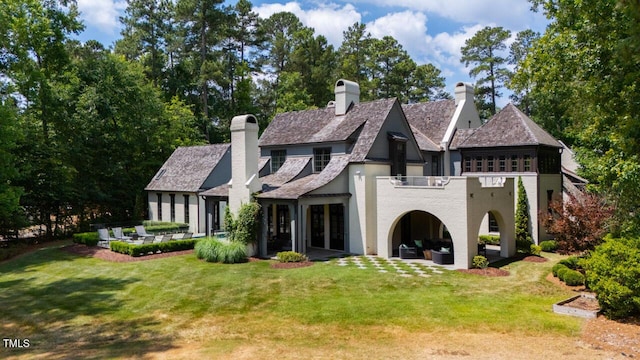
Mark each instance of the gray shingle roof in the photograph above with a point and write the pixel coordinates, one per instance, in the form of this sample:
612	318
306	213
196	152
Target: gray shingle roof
509	127
321	125
297	188
430	119
187	168
290	169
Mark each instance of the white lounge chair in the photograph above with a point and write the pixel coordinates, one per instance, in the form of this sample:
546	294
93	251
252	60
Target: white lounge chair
105	238
141	231
117	233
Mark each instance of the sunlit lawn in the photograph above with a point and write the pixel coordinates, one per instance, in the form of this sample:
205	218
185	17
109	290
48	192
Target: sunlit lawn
77	307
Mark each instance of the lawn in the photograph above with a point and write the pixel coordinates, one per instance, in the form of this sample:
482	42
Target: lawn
180	307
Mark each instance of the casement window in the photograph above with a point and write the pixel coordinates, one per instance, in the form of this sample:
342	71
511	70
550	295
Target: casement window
527	162
502	163
514	163
186	209
278	158
490	164
321	158
159	205
478	163
172	198
467	164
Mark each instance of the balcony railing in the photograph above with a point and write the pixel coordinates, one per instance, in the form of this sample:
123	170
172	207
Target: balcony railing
419	181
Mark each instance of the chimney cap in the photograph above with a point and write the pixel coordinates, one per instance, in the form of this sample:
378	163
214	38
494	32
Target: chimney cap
242	122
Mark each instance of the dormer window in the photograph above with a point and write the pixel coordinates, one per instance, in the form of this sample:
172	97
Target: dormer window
278	158
398	153
321	158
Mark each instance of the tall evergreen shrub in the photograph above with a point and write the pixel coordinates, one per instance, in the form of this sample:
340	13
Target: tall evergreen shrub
523	234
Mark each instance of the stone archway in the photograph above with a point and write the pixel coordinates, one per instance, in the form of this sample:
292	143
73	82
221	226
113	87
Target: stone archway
415	227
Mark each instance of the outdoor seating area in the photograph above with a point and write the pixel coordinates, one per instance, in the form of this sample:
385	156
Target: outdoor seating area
140	236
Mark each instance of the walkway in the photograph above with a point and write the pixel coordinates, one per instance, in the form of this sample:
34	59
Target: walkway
402	267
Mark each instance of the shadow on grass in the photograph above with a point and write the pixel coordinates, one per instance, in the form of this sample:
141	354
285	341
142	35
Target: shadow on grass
75	318
507	261
27	262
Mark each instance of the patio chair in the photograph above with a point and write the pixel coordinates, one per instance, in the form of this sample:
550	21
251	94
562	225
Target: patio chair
117	233
167	237
103	235
148	239
187	236
141	231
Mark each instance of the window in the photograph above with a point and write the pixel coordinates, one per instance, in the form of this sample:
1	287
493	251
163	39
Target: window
493	223
159	206
321	158
527	163
514	163
398	157
186	209
490	167
278	158
502	163
467	164
435	165
172	197
478	163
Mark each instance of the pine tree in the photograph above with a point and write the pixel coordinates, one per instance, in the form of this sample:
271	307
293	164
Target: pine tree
523	235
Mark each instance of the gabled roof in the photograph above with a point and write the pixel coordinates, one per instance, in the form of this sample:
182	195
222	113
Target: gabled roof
322	125
430	119
509	127
188	168
290	169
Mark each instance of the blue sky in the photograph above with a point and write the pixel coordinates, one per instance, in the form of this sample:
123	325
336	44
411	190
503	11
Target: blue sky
432	31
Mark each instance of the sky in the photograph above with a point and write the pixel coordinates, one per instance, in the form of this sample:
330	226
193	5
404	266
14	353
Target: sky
432	31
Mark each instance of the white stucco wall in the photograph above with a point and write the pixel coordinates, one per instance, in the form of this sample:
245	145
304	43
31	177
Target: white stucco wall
196	209
362	206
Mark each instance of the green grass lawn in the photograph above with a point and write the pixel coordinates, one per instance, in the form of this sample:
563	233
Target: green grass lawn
77	307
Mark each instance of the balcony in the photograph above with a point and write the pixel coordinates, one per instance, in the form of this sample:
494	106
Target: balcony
419	181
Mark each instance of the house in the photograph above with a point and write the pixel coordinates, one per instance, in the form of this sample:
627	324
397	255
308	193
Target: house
366	177
173	192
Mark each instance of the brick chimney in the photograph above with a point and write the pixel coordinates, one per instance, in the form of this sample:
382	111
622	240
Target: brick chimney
244	161
347	92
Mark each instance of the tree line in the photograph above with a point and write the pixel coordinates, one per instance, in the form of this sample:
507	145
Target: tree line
83	127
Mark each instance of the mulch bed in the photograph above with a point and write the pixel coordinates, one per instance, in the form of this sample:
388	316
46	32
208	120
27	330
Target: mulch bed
108	255
535	259
291	265
492	272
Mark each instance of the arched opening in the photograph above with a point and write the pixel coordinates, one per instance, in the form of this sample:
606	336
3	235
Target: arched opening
423	231
490	237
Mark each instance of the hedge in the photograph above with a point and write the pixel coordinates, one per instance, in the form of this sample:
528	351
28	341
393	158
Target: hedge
490	239
549	246
139	250
87	238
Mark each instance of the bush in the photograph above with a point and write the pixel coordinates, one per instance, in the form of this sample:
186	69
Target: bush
213	250
290	256
139	250
480	262
573	278
159	227
490	239
548	246
556	268
572	262
561	271
612	272
87	238
535	249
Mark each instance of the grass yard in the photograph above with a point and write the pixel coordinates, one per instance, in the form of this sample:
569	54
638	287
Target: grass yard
70	307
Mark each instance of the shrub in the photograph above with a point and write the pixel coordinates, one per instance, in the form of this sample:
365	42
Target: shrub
548	246
160	226
290	256
573	278
143	249
572	262
87	238
480	262
213	250
561	271
535	249
490	239
612	272
523	235
556	268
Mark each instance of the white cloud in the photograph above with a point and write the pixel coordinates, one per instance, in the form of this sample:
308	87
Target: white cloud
329	20
409	28
102	14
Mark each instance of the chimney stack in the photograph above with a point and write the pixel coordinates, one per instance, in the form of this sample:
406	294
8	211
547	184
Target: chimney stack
464	92
346	92
244	161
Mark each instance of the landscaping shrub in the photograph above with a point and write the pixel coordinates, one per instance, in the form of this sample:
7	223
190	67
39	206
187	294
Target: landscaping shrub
143	249
87	238
572	262
159	227
490	239
290	256
535	249
612	272
573	278
561	271
213	250
523	234
480	262
548	246
556	268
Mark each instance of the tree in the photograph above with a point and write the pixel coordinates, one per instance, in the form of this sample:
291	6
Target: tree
578	224
391	68
585	69
11	214
353	56
523	234
427	83
483	51
518	52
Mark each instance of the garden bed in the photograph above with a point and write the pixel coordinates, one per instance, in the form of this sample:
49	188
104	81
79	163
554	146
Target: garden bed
584	305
